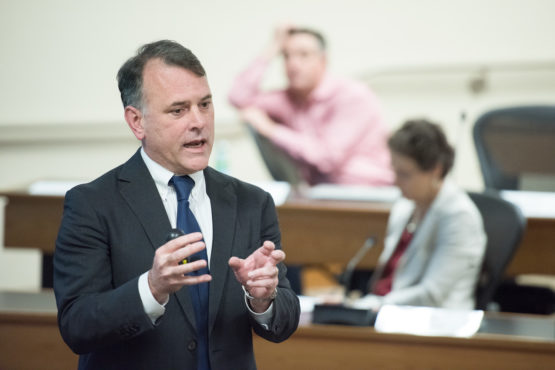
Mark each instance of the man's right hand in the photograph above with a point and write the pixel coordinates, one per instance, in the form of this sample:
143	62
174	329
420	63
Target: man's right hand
167	275
281	32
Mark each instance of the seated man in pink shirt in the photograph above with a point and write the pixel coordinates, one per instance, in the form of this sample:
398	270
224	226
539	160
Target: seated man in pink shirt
332	128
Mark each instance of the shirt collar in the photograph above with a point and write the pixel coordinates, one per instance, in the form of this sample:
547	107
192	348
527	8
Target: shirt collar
162	176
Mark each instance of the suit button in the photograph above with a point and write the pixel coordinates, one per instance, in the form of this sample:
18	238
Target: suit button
192	345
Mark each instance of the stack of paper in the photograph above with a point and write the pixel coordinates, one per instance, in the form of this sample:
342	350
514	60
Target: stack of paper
428	321
386	194
48	187
279	190
532	203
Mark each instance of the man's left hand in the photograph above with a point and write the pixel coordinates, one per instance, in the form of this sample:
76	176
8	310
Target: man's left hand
258	273
259	120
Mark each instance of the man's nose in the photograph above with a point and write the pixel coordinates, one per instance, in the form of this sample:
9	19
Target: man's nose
198	118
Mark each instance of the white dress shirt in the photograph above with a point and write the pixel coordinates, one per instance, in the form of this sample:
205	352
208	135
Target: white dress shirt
199	203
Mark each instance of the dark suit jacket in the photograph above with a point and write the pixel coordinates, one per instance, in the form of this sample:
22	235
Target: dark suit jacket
110	230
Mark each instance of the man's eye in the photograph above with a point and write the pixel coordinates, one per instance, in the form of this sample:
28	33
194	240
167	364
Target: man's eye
205	104
177	111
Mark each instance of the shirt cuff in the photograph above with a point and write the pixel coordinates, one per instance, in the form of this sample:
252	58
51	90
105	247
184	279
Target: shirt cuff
152	308
263	318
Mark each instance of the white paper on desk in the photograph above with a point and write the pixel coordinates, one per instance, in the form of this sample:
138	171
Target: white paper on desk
49	187
428	321
386	194
532	203
367	302
279	190
307	304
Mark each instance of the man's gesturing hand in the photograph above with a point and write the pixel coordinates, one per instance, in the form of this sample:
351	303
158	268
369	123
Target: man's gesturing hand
167	275
258	273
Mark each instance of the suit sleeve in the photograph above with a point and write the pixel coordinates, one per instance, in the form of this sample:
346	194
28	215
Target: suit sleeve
286	305
92	312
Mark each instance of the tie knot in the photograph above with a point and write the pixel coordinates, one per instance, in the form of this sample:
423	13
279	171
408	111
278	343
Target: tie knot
183	186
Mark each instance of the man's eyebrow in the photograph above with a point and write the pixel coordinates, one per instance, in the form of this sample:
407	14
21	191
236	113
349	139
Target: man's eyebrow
178	103
186	102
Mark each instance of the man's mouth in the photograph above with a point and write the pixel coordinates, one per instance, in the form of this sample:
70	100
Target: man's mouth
194	144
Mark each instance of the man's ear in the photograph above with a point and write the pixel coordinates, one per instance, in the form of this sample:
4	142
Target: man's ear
134	119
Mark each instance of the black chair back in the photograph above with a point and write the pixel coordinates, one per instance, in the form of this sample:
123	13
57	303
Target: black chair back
515	142
504	225
279	164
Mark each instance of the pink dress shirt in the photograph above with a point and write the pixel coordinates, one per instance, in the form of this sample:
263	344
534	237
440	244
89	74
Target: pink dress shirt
338	136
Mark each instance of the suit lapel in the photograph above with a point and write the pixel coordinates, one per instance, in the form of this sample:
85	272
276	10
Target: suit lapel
139	190
223	202
400	215
421	239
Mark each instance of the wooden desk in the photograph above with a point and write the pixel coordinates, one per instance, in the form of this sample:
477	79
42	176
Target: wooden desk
317	232
32	221
29	339
29	335
313	232
326	347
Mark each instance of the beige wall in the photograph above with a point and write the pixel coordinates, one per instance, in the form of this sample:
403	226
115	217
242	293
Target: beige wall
60	115
61	118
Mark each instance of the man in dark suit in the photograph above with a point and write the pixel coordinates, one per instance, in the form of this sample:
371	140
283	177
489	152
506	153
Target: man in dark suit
124	292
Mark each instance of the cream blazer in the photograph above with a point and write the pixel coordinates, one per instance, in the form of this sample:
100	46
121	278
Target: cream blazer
441	264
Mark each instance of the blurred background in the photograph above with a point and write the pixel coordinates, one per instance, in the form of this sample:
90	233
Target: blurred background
60	111
61	117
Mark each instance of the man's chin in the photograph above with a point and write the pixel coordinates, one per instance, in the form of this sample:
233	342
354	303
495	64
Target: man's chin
299	89
296	86
197	168
189	166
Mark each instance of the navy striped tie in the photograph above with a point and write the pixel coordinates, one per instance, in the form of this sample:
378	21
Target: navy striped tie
187	222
